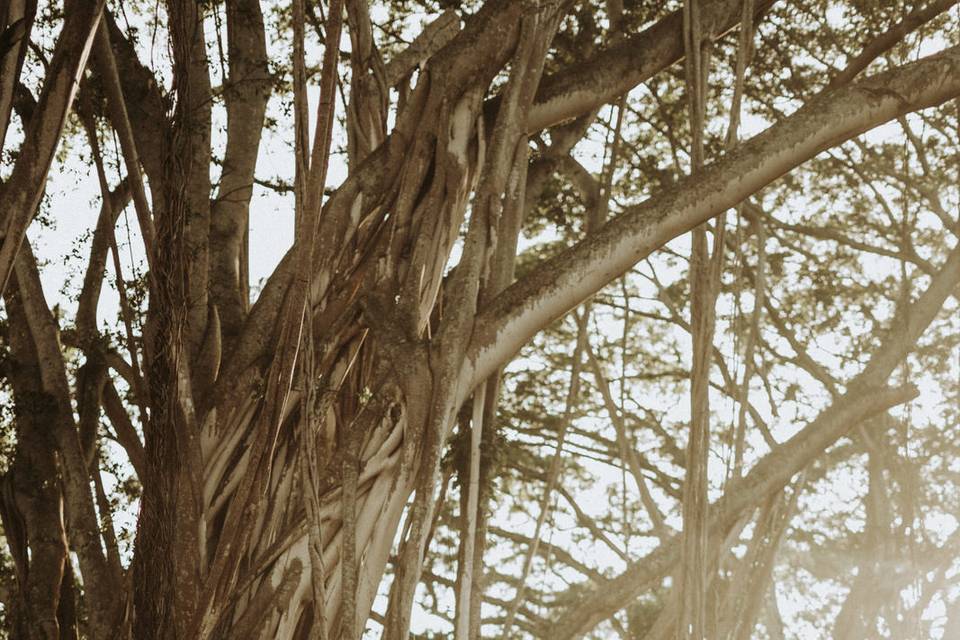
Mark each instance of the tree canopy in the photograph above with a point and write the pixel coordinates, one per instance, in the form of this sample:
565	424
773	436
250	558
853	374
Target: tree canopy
504	318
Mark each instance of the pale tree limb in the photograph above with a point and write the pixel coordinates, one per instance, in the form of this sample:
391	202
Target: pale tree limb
561	283
468	556
548	550
693	578
744	53
590	524
772	621
517	202
89	298
720	544
803	359
246	93
22	192
729	386
629	61
569	94
369	88
310	414
500	274
861	606
768	476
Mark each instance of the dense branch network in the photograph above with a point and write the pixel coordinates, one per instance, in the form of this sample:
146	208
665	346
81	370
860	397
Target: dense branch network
454	406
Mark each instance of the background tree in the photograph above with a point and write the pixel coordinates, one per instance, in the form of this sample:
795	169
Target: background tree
404	426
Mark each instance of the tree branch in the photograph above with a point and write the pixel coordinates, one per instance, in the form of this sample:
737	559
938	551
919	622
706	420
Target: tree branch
22	192
562	283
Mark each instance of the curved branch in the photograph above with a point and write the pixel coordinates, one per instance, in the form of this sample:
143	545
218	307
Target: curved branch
886	41
565	281
22	192
618	69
